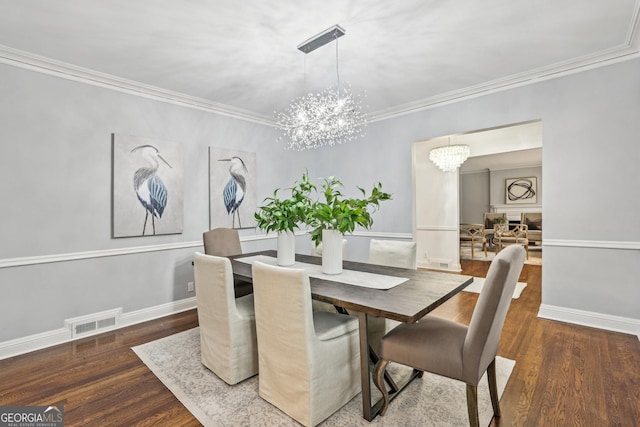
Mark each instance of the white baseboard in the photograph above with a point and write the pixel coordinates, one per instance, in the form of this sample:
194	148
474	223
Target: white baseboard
42	340
608	322
145	314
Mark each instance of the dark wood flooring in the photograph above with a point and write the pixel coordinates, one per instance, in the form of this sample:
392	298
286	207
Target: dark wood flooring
565	375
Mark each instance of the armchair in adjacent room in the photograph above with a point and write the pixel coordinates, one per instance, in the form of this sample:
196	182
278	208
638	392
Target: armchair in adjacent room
533	221
473	234
514	234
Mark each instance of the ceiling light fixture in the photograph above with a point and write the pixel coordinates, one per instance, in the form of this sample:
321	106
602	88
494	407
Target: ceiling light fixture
330	117
450	157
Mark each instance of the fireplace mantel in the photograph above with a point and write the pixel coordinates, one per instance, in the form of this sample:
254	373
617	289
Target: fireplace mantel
513	211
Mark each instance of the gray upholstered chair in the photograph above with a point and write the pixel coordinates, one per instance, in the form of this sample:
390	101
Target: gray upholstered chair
309	361
392	253
533	221
221	242
227	324
454	350
226	242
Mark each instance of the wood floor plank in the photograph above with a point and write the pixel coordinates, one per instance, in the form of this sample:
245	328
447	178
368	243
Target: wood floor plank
564	374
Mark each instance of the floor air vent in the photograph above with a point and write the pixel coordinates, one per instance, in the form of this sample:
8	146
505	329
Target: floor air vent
93	323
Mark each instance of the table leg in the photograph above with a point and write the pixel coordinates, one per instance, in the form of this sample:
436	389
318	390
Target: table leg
369	411
365	373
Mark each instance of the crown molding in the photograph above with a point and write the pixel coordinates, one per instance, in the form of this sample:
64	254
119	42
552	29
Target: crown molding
630	49
561	69
41	64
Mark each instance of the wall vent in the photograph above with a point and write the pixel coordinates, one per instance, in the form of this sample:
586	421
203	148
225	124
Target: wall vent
95	323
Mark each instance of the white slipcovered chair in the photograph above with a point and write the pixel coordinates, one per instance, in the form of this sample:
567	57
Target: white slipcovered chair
227	324
392	253
309	361
317	251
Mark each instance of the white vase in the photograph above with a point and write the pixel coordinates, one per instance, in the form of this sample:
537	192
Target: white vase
331	252
286	248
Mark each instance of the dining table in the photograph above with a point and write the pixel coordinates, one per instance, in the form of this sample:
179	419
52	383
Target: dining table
400	294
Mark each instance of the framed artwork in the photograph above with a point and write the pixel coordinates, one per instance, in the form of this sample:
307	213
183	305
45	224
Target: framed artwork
521	191
147	190
232	188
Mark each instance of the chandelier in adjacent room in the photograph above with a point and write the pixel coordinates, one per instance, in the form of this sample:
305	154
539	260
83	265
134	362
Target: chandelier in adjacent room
330	117
450	157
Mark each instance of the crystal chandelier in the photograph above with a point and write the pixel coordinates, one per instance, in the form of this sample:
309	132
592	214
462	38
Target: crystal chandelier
449	157
330	117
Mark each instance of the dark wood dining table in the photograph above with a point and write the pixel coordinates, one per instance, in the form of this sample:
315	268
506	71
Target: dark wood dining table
408	302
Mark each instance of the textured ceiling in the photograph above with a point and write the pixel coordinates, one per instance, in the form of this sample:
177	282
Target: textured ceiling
242	54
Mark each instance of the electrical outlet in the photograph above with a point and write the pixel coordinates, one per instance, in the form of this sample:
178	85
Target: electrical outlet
190	287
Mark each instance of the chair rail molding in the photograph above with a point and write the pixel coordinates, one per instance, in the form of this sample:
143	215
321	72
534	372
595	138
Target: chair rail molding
593	244
73	256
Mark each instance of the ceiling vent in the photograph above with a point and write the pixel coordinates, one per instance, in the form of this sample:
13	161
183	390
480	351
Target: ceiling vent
95	323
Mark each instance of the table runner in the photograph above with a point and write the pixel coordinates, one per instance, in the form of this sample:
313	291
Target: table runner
350	277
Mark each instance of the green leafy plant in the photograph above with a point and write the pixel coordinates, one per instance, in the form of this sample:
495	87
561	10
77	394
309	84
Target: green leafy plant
286	214
340	213
500	220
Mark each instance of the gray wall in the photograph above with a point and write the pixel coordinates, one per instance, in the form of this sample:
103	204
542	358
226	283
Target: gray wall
55	175
55	191
474	197
590	159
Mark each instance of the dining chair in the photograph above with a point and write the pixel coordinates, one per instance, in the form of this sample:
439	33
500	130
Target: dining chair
226	242
221	242
227	324
309	361
392	253
317	251
454	350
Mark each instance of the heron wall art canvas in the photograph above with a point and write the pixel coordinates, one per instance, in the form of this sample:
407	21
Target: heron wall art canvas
232	188
147	186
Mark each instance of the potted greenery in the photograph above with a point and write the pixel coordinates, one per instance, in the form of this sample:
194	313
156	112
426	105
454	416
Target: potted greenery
336	215
284	216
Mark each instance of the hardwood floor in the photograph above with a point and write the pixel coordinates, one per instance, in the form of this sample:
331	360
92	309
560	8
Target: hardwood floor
565	375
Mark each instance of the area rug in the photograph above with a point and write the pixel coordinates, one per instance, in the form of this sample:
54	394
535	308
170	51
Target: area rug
535	254
429	401
478	283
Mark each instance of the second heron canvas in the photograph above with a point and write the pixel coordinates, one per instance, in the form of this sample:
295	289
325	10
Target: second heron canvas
232	188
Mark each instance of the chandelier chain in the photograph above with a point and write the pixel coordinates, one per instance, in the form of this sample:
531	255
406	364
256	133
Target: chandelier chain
337	65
